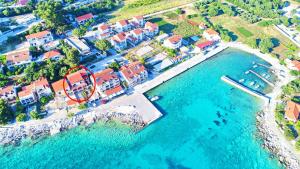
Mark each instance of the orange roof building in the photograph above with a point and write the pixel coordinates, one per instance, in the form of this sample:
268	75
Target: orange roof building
151	29
296	64
53	55
211	35
173	42
40	38
84	18
8	93
17	58
134	73
292	111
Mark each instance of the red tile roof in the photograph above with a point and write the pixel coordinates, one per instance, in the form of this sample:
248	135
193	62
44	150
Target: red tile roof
140	17
292	110
28	90
204	44
296	64
18	56
120	37
6	90
211	32
151	26
38	35
137	31
123	22
50	54
104	76
103	27
132	69
84	17
77	76
22	2
113	90
175	39
58	85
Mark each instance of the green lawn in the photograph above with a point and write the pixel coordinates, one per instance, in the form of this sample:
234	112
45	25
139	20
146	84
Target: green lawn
244	32
164	26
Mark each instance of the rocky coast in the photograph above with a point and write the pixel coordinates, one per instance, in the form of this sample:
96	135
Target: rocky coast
272	142
14	135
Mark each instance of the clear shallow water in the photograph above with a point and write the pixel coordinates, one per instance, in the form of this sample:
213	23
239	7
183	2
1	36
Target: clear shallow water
207	124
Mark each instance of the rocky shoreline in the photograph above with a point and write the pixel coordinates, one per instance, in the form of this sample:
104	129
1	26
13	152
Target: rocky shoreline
14	135
272	143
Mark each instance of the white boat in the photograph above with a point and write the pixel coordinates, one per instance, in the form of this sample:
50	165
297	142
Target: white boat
254	66
263	74
252	83
241	80
154	98
257	86
247	72
268	76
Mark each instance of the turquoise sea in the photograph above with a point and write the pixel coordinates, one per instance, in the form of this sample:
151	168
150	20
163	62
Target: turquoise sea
206	124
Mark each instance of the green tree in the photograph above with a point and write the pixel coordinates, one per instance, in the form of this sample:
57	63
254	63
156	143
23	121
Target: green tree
79	32
21	117
297	145
51	12
115	66
82	106
72	57
103	45
6	113
34	115
179	11
213	11
3	59
44	100
266	45
252	43
289	133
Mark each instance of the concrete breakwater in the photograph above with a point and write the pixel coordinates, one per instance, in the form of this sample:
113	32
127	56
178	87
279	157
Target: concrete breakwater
272	143
15	134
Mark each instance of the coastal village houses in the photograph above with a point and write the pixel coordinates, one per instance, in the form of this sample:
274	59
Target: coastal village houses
138	21
18	58
134	73
151	29
108	84
78	45
173	42
40	38
37	89
292	111
211	35
104	31
52	55
122	26
8	93
138	35
84	18
119	41
203	46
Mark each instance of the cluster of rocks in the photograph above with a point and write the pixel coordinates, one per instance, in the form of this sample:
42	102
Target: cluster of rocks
273	144
14	135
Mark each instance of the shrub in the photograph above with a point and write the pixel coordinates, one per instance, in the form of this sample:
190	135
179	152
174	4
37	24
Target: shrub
82	106
289	133
21	117
34	115
297	145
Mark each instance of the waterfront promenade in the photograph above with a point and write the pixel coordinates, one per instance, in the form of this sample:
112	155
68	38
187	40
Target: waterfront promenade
178	69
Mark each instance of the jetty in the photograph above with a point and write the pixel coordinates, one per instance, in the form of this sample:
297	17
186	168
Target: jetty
263	65
178	69
262	78
244	88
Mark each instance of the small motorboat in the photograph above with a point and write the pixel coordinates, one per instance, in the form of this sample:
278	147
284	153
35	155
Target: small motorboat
154	98
241	80
252	83
268	76
254	66
247	72
263	74
257	86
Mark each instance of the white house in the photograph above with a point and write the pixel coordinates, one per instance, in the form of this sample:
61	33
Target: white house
108	84
151	29
119	41
122	26
84	18
52	55
104	31
134	73
78	45
37	89
40	38
138	21
8	93
138	34
211	35
173	42
18	58
203	46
